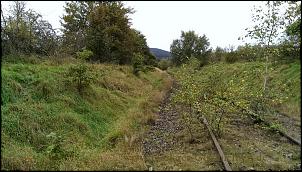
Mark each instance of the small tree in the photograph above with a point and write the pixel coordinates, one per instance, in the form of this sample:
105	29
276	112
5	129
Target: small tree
189	45
268	22
81	76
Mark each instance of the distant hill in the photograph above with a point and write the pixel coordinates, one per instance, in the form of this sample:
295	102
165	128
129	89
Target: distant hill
160	54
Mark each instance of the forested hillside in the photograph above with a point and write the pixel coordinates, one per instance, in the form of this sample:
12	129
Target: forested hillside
160	54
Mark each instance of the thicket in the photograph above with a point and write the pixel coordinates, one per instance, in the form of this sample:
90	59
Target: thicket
137	64
206	92
284	53
218	91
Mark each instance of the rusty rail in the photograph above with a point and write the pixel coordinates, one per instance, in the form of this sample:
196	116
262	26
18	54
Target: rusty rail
221	154
282	133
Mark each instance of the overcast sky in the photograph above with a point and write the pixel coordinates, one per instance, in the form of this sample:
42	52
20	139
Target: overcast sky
162	21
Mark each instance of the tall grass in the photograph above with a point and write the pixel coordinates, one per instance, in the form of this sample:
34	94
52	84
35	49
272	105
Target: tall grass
47	125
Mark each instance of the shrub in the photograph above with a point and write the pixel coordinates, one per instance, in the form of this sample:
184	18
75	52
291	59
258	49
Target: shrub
231	57
164	64
203	61
148	68
249	53
216	55
85	54
81	76
58	60
287	53
137	63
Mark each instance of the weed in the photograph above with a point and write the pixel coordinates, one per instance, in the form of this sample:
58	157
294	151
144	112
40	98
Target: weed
274	127
45	90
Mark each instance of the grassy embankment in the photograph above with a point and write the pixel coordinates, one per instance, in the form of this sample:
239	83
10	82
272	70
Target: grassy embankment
47	125
284	93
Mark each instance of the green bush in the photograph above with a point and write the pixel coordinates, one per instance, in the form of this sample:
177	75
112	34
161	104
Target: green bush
84	55
287	53
137	63
231	57
203	61
216	55
148	68
81	76
164	64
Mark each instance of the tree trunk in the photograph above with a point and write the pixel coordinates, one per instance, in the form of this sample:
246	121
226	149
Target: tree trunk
265	75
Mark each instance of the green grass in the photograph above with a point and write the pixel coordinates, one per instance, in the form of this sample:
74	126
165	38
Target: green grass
87	129
47	125
287	79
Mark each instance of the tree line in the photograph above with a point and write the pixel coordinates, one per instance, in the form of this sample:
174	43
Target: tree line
271	44
100	31
25	31
277	34
100	28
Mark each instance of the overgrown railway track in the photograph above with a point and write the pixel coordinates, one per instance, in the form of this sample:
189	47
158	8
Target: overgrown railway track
218	147
225	163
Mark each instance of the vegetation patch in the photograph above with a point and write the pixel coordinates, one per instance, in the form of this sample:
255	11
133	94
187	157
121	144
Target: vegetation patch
49	123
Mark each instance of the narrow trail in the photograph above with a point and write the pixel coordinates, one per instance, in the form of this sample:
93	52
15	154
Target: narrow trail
160	137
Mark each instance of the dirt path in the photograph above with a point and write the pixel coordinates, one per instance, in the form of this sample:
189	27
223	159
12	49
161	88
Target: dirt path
160	137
